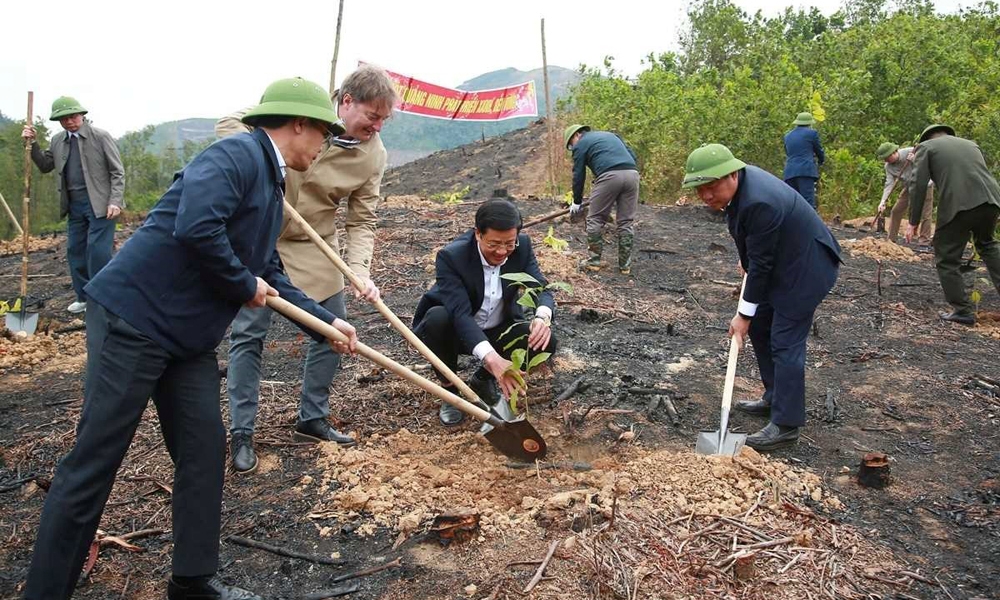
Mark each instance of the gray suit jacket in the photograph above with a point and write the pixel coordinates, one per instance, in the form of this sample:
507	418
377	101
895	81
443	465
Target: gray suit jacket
959	171
102	167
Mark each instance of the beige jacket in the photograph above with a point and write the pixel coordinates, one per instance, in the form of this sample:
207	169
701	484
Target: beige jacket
337	173
102	167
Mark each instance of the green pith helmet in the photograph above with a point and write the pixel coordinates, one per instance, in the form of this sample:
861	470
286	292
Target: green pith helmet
709	163
297	97
935	127
571	130
885	150
64	106
804	118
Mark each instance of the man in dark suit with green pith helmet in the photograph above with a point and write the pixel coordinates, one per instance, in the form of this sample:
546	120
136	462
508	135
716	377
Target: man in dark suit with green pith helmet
968	207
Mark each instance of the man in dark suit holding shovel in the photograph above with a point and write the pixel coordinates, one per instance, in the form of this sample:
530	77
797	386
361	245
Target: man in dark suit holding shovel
791	260
158	311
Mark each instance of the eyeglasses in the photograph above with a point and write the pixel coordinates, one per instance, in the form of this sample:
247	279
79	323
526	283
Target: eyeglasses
491	245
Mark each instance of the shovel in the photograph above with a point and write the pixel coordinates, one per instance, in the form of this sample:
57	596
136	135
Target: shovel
516	439
386	312
19	319
722	441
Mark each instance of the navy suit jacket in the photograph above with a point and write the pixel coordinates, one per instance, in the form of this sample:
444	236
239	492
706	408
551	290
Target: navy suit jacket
789	254
182	277
801	145
459	286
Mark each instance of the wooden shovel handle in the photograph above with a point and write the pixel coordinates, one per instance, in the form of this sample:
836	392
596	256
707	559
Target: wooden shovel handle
727	390
316	324
549	216
386	312
26	204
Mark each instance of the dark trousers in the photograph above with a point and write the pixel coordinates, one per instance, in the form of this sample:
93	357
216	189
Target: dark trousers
89	241
805	186
436	330
950	240
780	345
130	369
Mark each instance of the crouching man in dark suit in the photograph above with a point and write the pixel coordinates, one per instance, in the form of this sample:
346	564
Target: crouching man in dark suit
791	261
470	307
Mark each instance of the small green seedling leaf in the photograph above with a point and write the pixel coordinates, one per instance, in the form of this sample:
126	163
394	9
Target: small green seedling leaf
553	242
515	340
520	278
538	359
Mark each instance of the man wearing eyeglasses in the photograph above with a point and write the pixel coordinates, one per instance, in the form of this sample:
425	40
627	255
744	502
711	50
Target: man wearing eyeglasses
350	167
470	309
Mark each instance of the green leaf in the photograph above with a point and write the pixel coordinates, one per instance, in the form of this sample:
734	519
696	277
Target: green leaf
526	301
517	360
538	359
562	286
520	278
515	340
976	297
553	242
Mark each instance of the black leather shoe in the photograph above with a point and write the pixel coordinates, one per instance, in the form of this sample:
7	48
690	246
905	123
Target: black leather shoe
242	454
208	588
449	415
759	407
485	386
960	318
319	430
772	437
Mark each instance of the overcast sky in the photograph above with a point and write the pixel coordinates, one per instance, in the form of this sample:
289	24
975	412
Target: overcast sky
134	63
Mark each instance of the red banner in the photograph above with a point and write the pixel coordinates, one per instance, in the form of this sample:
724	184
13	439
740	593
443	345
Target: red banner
422	98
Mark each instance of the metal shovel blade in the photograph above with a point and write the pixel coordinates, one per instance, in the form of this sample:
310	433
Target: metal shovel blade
21	321
517	439
712	442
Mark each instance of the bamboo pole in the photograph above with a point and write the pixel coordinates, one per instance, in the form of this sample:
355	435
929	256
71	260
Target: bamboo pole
26	205
336	50
548	115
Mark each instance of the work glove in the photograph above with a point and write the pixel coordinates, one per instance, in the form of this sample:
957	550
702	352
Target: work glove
575	208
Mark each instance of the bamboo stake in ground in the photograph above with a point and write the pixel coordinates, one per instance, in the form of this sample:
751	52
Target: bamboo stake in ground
26	205
336	50
548	116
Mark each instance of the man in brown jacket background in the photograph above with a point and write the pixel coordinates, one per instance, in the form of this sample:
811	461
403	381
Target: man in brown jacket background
91	189
352	168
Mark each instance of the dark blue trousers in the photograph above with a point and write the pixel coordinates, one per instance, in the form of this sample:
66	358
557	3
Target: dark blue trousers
780	345
89	241
805	186
436	330
125	369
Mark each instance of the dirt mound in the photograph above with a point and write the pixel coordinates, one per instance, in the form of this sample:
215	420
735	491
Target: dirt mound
40	350
988	323
879	249
35	244
396	482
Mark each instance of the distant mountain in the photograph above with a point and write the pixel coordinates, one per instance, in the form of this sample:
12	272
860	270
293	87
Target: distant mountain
177	132
408	137
4	119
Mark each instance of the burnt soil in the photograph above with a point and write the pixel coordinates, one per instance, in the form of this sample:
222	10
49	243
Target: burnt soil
884	374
